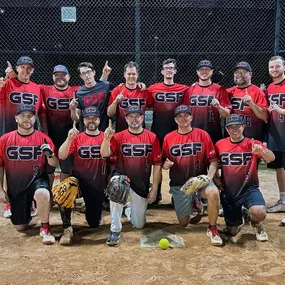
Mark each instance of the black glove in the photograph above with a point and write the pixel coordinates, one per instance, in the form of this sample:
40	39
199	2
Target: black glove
46	149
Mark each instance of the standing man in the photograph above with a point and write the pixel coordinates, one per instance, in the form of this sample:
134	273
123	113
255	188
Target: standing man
238	157
128	94
24	154
188	152
92	93
208	101
166	95
276	126
248	101
137	149
89	168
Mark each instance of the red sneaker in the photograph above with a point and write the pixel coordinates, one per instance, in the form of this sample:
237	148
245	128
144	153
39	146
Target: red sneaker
214	236
45	233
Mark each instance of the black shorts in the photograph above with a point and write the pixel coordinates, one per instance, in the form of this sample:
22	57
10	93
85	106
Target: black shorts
66	166
233	207
279	161
21	204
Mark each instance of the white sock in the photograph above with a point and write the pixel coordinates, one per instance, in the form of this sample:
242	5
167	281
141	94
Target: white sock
282	197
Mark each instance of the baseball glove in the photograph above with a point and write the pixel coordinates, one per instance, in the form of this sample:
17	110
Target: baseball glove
65	192
195	183
118	189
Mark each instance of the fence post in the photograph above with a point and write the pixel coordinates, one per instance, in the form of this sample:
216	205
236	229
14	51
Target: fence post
138	31
277	27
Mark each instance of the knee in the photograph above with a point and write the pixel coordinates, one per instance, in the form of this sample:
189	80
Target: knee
21	228
257	213
42	194
183	222
139	225
213	194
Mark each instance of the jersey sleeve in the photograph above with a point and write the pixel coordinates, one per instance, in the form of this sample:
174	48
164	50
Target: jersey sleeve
42	106
2	152
156	153
187	94
210	149
165	149
72	147
3	90
114	145
115	92
261	99
149	99
223	98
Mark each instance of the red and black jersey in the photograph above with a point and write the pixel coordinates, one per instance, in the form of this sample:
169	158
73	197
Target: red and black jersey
15	93
276	125
206	116
134	97
89	166
58	114
238	164
191	153
136	153
254	127
21	157
165	98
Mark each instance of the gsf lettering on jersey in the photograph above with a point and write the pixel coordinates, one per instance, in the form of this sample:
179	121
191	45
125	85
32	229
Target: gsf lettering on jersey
201	100
186	149
94	99
136	150
238	104
168	97
86	152
235	159
23	98
278	98
132	102
23	152
60	104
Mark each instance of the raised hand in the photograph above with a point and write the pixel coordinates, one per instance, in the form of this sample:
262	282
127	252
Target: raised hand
73	132
141	86
109	132
73	104
274	107
106	71
215	103
10	73
247	99
256	148
120	98
167	164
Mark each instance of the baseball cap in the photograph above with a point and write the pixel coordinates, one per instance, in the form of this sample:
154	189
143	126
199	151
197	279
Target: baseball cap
206	63
60	68
182	109
25	60
134	109
234	119
26	107
243	64
91	111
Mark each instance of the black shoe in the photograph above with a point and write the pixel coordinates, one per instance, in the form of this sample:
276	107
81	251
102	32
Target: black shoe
113	238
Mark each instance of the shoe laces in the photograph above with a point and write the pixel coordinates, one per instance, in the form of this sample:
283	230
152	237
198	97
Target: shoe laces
7	206
214	231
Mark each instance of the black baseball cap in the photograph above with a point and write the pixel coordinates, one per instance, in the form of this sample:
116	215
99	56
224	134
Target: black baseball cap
182	109
243	64
91	111
205	63
25	60
134	109
26	107
234	119
60	68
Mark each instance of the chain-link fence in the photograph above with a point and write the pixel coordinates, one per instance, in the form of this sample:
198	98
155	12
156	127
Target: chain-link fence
224	31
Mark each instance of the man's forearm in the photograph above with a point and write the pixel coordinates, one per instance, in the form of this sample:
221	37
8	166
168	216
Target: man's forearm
259	112
105	148
75	114
213	169
268	155
112	109
224	112
53	161
156	176
64	149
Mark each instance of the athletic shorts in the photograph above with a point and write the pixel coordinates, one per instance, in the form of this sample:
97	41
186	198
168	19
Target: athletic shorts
66	166
183	203
21	204
279	161
233	206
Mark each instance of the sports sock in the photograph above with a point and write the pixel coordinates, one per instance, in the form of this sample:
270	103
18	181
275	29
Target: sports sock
282	197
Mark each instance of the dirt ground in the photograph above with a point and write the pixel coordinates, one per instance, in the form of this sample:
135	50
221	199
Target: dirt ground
25	260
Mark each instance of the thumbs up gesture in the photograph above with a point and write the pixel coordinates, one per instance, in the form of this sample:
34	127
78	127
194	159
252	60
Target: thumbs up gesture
247	99
256	148
167	164
109	132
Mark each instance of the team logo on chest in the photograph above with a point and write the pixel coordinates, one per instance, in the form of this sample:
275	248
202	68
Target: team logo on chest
201	100
60	104
132	102
278	98
23	152
186	149
235	159
94	99
20	98
238	104
168	97
136	150
88	151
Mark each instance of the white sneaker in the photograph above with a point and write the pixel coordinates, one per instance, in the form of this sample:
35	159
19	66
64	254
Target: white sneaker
283	223
278	207
7	211
214	236
47	236
66	238
127	211
261	234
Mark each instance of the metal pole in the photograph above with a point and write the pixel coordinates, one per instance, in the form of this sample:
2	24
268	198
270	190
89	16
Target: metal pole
138	31
277	27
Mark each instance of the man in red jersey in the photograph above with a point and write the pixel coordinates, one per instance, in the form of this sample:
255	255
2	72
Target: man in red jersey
24	155
89	168
249	101
137	149
208	101
167	95
276	126
128	94
238	157
188	152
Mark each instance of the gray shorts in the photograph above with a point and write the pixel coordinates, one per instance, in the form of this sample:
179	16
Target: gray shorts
184	203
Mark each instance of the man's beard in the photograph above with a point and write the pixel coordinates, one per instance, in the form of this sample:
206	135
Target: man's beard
61	83
91	127
25	125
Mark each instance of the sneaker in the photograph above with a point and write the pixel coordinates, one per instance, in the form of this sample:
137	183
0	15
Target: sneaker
282	223
221	212
214	236
7	211
278	207
66	238
113	238
33	210
45	233
127	211
261	234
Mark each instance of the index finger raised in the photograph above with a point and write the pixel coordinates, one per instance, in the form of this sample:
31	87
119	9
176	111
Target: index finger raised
106	63
110	124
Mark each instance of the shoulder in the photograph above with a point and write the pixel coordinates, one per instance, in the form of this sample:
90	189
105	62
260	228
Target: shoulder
231	89
222	142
